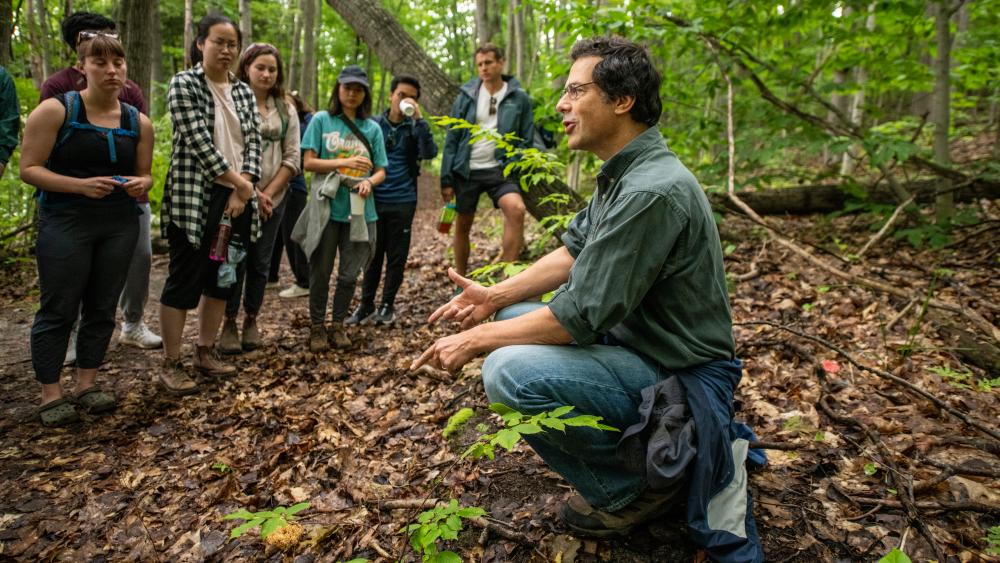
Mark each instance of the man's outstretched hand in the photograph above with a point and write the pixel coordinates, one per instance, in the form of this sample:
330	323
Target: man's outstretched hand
469	308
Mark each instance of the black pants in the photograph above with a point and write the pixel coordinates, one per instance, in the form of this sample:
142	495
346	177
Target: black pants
296	258
83	255
392	243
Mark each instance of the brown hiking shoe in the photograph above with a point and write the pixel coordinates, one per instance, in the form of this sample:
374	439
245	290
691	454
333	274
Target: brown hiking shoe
318	341
173	378
251	336
584	519
229	340
340	339
206	362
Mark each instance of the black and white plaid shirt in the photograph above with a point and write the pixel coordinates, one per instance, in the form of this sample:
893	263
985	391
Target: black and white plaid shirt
195	161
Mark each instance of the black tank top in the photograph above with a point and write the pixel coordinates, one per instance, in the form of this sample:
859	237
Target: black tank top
85	154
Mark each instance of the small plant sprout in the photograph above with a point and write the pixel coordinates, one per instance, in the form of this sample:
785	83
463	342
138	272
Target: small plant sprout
269	521
517	424
441	522
221	467
457	420
993	541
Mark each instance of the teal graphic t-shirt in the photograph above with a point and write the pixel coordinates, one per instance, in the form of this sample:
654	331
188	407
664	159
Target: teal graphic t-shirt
331	138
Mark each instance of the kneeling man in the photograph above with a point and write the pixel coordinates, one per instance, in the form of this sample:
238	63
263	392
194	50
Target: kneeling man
638	331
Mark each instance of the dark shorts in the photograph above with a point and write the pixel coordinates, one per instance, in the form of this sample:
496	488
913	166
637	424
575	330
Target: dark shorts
191	274
491	181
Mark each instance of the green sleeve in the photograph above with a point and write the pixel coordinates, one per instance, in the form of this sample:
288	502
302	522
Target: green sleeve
576	232
622	260
10	116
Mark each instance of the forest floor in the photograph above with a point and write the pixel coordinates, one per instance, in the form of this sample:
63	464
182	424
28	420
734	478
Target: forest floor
351	431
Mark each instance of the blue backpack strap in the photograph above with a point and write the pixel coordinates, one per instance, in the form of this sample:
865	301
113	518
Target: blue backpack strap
71	100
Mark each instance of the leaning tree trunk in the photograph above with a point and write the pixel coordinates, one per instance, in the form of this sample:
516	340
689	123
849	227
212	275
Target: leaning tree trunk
137	38
188	31
397	51
293	57
246	25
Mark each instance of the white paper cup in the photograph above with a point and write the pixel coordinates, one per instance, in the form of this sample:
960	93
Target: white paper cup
407	108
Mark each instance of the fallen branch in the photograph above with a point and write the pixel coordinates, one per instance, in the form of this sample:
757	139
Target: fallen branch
502	530
963	470
885	375
895	319
959	506
885	228
398	504
903	486
775	446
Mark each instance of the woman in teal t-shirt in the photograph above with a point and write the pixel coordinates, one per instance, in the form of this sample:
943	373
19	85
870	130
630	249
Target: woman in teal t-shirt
332	146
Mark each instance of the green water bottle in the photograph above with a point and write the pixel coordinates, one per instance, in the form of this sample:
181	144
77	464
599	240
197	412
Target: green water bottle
447	218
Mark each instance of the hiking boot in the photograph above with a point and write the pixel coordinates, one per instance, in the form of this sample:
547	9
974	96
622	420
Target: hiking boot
229	340
206	362
318	341
340	339
584	519
251	336
362	314
385	315
294	291
140	336
174	379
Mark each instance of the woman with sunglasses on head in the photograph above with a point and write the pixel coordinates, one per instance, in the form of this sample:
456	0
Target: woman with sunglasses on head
213	168
260	67
77	30
345	151
89	155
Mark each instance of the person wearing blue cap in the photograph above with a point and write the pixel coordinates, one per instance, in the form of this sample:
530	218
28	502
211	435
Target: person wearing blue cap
345	151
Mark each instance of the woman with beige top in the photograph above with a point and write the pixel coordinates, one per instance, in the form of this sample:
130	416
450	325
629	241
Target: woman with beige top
260	67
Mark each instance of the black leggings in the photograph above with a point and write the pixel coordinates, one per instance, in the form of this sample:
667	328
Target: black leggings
83	255
395	221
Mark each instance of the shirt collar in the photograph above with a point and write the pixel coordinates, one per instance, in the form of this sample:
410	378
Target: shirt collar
615	167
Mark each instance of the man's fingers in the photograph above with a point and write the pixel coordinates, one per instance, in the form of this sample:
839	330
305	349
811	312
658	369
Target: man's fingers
423	359
436	315
461	315
462	282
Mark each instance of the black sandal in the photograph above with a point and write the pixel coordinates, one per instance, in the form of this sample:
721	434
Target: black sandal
95	401
60	412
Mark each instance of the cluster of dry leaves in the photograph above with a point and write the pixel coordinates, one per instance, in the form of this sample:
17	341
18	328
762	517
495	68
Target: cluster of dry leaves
359	437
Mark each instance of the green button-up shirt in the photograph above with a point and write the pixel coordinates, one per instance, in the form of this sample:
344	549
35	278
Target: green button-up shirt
10	118
648	262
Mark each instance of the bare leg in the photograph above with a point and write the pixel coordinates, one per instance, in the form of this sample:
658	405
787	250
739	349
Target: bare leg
85	378
463	226
51	392
210	313
512	206
172	328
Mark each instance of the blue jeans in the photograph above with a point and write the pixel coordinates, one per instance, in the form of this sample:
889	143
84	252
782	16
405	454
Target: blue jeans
598	379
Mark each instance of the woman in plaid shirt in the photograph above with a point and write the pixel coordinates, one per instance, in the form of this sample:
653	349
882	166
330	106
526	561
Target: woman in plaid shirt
213	169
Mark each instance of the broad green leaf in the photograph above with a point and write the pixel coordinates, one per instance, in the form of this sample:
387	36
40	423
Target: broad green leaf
239	515
507	438
271	525
296	508
895	556
500	408
446	557
561	411
528	428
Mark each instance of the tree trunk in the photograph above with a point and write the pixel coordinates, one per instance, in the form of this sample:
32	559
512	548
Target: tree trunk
188	32
6	29
246	25
857	113
34	58
44	33
293	57
482	22
397	51
157	71
940	116
509	38
518	10
805	200
136	28
307	88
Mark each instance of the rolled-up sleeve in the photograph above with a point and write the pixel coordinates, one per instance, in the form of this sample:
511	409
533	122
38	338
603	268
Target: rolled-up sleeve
617	264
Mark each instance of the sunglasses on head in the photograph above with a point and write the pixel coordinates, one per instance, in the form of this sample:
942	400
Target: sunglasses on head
88	35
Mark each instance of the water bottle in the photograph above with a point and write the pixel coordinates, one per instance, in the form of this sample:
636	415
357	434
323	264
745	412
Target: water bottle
219	250
447	218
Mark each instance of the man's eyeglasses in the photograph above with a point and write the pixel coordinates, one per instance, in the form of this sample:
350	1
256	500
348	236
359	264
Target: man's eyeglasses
88	35
574	91
493	105
223	44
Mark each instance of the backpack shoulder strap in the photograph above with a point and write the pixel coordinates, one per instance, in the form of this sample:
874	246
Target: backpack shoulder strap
357	133
282	106
71	100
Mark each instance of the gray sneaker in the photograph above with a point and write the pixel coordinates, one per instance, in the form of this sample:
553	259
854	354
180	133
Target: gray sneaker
363	314
385	314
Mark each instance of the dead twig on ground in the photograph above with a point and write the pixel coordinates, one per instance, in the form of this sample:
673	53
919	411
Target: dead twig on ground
885	228
904	486
943	506
885	375
503	530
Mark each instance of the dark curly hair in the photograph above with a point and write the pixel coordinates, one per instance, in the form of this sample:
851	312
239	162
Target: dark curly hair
76	22
625	69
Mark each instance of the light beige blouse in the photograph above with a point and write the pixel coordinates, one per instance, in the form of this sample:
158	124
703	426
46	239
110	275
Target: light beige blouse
277	151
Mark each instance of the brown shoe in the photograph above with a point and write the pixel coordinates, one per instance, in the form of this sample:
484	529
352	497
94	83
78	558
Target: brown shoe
174	379
318	341
584	519
229	340
251	336
340	339
206	362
